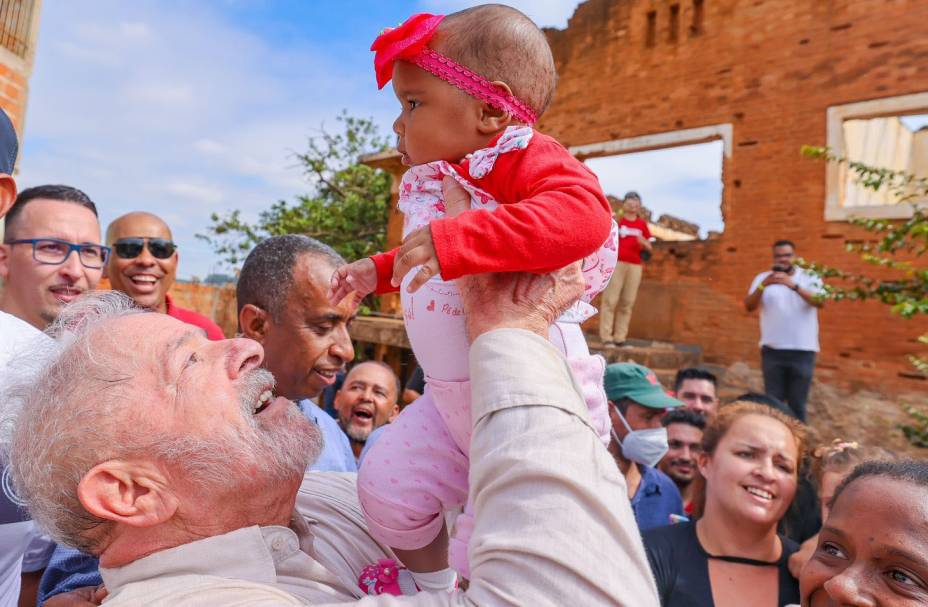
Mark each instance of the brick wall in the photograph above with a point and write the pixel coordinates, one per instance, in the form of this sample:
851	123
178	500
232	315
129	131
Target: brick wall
771	69
19	24
13	88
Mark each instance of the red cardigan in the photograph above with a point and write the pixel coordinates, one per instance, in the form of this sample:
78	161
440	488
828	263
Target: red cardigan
552	213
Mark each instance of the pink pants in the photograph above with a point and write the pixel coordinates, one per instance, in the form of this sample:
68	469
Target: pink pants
418	469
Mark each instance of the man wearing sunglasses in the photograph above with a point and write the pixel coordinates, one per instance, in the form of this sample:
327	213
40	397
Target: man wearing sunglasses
143	265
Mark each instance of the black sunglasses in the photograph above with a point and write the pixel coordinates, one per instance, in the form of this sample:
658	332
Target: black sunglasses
130	248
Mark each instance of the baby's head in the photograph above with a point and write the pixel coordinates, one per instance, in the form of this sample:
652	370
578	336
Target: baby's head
832	463
439	120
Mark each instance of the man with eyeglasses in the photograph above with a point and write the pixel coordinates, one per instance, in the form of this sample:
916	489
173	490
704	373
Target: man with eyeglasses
51	252
24	549
143	265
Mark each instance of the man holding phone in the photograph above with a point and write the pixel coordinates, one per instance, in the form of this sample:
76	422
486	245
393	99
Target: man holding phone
789	298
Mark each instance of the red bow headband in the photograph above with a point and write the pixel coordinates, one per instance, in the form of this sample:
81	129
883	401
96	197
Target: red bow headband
409	42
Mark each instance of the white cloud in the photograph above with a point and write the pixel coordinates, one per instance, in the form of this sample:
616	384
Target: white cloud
208	146
193	192
545	13
135	30
176	110
160	93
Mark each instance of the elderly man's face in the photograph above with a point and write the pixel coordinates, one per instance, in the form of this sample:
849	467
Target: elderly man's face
145	278
367	400
309	344
210	384
207	410
37	292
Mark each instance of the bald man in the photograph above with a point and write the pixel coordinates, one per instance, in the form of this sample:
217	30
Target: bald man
143	265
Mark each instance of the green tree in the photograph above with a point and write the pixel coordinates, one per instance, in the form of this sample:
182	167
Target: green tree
347	207
898	249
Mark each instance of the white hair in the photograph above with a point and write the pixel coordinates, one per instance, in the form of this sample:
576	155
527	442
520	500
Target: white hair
54	415
81	408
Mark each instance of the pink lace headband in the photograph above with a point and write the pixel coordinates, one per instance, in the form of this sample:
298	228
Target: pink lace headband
409	41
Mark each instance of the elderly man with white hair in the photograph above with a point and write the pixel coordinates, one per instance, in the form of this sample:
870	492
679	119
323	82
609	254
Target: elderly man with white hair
169	457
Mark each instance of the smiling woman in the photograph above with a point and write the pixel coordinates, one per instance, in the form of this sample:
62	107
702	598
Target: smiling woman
872	549
733	555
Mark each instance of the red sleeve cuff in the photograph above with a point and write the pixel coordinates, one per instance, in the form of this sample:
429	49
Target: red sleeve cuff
384	264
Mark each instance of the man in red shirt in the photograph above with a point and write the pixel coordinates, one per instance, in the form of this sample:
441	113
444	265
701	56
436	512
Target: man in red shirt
619	296
143	265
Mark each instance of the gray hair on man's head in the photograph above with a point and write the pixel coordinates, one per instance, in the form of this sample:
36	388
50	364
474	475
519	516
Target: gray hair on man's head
267	274
52	417
90	403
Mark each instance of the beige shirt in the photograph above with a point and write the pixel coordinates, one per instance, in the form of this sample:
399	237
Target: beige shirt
553	524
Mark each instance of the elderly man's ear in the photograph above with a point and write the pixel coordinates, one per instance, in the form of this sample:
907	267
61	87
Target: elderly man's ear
253	322
129	492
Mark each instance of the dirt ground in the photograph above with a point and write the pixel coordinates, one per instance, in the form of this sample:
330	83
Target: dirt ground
864	416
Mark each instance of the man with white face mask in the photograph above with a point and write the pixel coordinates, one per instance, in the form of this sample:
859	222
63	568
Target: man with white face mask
637	402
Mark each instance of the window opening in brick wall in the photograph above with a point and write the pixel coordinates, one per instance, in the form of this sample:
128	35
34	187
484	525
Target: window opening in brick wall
893	142
674	29
15	23
651	33
680	187
888	133
696	27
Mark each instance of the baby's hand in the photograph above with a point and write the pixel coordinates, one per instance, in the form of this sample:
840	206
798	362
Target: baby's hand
360	277
417	249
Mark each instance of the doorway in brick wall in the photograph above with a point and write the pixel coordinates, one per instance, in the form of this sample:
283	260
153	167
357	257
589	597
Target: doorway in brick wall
680	186
677	174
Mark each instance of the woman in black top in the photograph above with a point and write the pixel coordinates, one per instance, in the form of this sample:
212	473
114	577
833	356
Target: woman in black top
732	556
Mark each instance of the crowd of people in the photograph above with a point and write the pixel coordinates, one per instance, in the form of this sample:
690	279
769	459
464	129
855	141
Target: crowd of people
149	460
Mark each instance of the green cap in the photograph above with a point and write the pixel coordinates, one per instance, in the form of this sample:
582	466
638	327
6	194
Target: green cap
637	383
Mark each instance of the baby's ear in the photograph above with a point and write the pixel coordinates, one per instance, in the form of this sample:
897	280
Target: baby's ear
493	119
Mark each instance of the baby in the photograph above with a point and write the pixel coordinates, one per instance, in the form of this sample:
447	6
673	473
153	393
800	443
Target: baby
471	85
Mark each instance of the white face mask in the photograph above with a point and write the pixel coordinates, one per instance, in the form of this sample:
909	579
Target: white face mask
646	447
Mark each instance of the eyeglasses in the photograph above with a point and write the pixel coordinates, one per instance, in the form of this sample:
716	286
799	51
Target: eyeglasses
130	248
53	252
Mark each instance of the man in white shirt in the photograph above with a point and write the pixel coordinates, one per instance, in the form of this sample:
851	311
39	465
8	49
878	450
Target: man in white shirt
19	536
191	474
789	298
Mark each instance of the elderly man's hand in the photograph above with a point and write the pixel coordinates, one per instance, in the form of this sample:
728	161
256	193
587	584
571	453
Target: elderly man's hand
515	300
89	596
518	300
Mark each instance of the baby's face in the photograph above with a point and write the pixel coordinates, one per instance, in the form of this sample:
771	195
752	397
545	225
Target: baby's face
437	122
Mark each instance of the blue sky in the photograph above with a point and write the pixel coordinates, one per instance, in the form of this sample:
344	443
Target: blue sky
189	108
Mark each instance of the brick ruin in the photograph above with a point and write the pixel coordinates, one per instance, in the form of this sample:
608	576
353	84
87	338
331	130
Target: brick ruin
766	78
760	75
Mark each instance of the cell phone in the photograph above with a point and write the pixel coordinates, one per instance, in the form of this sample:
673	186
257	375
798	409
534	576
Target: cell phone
777	268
